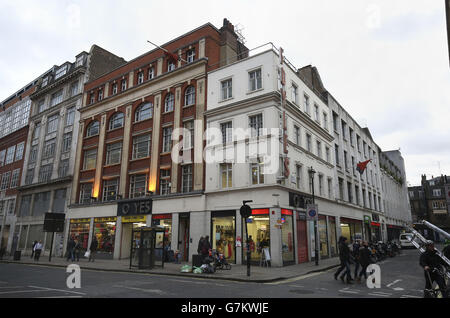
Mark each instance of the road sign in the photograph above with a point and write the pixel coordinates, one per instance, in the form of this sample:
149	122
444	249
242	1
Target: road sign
312	213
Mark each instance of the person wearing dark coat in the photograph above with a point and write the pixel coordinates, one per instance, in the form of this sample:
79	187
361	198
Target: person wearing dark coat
71	249
32	248
364	260
431	260
344	257
77	249
355	255
93	249
200	245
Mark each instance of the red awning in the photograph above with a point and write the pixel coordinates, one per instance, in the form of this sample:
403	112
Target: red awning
260	211
375	224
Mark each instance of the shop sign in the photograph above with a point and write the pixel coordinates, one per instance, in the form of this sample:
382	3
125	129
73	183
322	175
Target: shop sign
298	200
375	224
367	219
72	221
134	218
134	207
106	219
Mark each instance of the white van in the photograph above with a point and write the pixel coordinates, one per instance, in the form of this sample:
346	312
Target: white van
404	240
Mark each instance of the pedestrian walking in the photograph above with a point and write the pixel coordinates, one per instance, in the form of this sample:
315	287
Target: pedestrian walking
77	249
355	256
71	249
37	250
364	260
93	249
344	257
32	248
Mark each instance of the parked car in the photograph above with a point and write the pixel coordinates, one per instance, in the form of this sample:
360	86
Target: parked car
405	242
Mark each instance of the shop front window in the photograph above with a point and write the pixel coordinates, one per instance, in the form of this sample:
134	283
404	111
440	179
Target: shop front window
165	221
224	234
258	234
333	245
323	236
351	229
287	236
105	232
80	232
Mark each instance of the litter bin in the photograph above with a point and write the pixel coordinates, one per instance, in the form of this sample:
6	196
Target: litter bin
17	255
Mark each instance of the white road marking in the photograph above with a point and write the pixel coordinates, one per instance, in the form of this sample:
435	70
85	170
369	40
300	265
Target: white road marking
296	286
382	293
379	295
61	297
153	291
394	282
59	290
345	290
291	280
410	296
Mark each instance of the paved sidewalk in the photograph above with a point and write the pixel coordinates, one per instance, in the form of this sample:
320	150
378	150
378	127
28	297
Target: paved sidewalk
237	272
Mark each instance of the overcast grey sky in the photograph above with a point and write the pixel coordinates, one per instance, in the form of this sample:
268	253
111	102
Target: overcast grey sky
385	61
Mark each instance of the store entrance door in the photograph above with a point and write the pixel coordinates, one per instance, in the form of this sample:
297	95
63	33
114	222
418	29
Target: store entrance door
183	236
302	240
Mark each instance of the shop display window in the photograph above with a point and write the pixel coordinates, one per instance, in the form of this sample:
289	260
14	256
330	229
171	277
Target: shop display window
333	243
259	235
323	236
105	234
224	236
351	229
80	231
287	236
166	222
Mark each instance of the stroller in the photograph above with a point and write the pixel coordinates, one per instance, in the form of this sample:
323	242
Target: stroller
220	262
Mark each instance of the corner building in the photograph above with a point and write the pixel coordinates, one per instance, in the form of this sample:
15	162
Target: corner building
124	174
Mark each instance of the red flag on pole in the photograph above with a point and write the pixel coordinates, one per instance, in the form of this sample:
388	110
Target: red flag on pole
362	166
172	55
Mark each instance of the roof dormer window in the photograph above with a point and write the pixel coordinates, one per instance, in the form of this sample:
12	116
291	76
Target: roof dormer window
61	72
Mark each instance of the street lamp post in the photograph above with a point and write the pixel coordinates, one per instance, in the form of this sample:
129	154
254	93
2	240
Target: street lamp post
316	248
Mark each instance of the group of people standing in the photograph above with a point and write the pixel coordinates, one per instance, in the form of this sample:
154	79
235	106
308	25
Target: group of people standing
74	249
360	256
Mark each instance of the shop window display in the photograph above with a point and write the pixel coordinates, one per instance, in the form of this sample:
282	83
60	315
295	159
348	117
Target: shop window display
80	231
105	234
351	229
333	245
258	235
166	222
287	235
223	236
323	236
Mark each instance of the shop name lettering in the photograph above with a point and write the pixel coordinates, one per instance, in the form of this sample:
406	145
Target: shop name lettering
142	207
257	308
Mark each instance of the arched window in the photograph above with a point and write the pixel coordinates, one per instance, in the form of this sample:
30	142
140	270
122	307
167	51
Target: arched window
169	103
116	121
189	96
93	129
143	112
